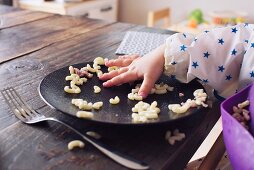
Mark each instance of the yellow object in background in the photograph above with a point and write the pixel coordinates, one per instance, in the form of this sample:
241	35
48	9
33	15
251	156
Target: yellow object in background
228	17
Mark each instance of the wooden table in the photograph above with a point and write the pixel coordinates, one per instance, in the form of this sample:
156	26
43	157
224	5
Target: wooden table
33	44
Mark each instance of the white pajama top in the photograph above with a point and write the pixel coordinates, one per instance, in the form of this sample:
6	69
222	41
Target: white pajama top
222	57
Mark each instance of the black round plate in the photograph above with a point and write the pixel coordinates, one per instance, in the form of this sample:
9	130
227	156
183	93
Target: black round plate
51	90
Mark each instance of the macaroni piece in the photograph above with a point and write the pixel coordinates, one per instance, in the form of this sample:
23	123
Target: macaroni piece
84	79
75	143
99	61
99	73
82	104
135	90
131	96
161	86
97	89
76	74
173	137
71	69
75	80
89	68
243	104
93	134
116	100
242	115
96	67
84	114
134	96
142	111
90	75
177	108
152	91
67	89
72	77
158	89
199	99
112	68
82	72
169	88
97	105
181	94
138	118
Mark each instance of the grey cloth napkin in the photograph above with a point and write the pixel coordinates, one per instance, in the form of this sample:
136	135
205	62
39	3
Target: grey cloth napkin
141	43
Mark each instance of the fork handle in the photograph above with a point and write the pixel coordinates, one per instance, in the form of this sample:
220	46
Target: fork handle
124	160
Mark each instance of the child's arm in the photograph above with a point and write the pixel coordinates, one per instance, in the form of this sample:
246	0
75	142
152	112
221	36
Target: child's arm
148	67
223	57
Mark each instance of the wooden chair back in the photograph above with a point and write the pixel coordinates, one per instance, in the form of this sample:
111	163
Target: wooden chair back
155	16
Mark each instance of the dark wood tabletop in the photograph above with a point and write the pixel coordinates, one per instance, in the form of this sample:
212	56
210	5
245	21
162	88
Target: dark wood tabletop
32	45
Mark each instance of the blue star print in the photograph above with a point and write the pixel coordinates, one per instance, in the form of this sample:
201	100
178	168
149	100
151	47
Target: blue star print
206	31
234	30
252	74
174	63
205	81
246	24
195	39
206	55
221	41
183	47
247	41
184	35
233	52
228	77
195	64
221	68
173	76
252	45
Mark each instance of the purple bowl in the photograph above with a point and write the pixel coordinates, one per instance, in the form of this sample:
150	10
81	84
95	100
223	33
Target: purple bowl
239	142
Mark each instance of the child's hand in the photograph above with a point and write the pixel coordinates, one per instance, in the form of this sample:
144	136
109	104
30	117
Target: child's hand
148	67
122	61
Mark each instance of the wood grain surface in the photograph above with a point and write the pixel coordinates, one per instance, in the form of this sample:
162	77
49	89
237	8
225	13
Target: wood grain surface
42	43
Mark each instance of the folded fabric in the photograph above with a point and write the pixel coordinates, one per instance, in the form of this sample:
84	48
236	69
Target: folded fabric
141	43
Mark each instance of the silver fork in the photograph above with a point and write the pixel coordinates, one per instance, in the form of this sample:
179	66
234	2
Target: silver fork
30	116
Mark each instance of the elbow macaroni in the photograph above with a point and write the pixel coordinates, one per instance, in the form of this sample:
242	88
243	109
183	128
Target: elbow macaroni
99	61
75	143
142	112
115	100
84	114
97	89
97	105
112	68
77	80
157	89
173	137
93	134
199	99
82	104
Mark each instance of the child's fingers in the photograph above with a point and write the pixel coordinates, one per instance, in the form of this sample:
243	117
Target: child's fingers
123	56
122	61
112	74
120	79
146	86
134	56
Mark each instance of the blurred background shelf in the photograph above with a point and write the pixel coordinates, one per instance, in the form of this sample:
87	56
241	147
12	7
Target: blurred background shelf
98	9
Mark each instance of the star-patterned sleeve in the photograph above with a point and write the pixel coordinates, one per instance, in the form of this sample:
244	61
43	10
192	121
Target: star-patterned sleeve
222	57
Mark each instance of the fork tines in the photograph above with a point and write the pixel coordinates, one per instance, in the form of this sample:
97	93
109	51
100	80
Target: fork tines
18	106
